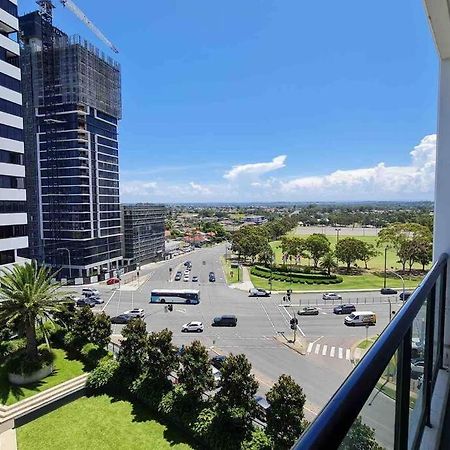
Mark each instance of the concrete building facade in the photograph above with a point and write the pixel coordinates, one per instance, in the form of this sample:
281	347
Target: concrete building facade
13	215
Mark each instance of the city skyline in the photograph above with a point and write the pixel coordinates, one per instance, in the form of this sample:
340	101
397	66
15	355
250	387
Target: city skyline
272	104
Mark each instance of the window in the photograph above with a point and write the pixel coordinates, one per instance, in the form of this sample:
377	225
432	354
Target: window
9	7
11	132
12	207
11	157
11	231
8	182
7	257
10	82
9	57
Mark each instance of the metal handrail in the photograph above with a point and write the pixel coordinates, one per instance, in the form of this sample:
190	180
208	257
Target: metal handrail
332	424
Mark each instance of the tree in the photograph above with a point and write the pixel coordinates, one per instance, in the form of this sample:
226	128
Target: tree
132	349
349	250
101	333
29	294
235	400
360	437
328	262
368	252
83	326
266	256
317	246
424	253
285	416
249	241
195	371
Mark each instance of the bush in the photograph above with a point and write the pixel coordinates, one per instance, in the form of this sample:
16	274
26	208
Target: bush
71	341
104	375
283	274
203	426
20	363
8	348
258	441
92	354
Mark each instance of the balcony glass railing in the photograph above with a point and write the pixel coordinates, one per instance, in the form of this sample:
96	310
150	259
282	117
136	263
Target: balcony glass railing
393	383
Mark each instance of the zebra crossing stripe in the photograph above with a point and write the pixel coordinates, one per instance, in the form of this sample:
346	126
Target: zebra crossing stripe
324	350
333	349
341	352
310	346
317	349
347	354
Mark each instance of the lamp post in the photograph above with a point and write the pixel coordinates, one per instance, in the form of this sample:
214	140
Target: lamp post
337	234
68	252
403	284
385	265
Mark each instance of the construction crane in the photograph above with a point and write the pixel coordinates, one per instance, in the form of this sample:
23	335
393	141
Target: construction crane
47	6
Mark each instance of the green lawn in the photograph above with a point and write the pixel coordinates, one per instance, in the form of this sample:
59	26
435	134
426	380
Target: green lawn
101	423
365	281
65	369
374	263
228	271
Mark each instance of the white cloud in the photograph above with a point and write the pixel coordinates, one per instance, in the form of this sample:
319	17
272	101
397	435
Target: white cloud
137	188
256	169
204	190
417	178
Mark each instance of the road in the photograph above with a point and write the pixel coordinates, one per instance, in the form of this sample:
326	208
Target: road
327	341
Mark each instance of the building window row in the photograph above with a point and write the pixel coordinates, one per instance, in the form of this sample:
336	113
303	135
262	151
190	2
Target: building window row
11	207
107	142
8	57
13	133
10	107
11	157
9	7
12	231
8	182
10	82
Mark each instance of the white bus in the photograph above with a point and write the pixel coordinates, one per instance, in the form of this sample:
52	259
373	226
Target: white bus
187	296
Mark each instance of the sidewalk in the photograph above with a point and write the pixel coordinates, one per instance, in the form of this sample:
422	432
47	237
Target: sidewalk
246	283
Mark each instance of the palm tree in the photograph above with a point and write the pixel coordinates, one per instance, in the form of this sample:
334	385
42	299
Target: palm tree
328	262
28	294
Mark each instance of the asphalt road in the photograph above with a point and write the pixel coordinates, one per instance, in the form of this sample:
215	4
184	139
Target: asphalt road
327	341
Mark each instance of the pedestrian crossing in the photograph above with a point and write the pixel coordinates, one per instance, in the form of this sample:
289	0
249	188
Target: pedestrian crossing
329	350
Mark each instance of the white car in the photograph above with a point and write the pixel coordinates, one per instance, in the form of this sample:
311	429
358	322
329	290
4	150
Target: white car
217	376
186	278
192	327
186	272
90	291
136	312
331	296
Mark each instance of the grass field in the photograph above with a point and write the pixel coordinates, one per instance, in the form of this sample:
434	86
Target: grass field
374	263
65	369
100	423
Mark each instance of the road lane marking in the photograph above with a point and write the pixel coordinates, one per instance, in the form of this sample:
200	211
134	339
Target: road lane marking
341	352
107	303
310	346
290	317
268	317
316	351
324	350
332	351
347	354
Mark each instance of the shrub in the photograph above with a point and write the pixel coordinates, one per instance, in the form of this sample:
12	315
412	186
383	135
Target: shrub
20	362
92	354
257	441
104	375
203	426
70	341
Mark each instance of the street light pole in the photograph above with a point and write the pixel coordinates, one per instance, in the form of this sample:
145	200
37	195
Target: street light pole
385	266
68	252
337	234
403	299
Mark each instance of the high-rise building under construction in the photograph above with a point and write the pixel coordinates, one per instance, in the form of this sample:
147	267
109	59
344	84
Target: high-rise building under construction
72	104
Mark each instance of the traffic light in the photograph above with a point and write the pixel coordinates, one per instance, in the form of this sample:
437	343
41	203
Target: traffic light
170	308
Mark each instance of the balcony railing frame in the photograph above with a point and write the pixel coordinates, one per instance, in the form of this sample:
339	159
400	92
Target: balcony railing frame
331	426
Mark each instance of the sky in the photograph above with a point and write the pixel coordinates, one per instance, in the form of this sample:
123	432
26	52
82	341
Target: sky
270	100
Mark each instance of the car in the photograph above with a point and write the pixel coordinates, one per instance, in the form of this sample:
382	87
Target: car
188	263
195	279
192	327
90	291
112	281
212	277
417	368
217	361
224	321
388	291
217	375
135	312
186	272
96	299
257	292
262	406
331	296
344	309
404	296
308	311
186	278
85	301
178	277
122	319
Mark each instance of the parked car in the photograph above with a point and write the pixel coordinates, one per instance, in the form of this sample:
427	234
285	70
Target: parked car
90	291
417	368
85	301
195	279
262	406
257	292
344	309
404	297
122	319
112	281
186	278
186	272
331	296
388	291
136	312
361	318
96	299
308	311
178	276
217	375
188	263
224	321
217	361
192	327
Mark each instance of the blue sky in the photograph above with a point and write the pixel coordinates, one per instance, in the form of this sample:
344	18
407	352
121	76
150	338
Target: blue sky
271	99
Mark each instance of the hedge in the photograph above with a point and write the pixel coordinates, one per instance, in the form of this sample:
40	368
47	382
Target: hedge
280	271
309	279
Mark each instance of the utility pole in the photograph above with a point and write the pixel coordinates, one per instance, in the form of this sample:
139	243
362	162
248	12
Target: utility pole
385	266
337	234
